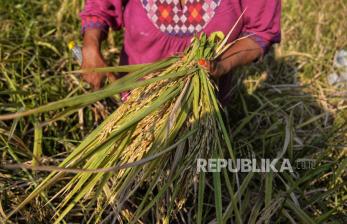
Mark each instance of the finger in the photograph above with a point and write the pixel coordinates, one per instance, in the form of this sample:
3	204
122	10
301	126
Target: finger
111	77
208	66
96	85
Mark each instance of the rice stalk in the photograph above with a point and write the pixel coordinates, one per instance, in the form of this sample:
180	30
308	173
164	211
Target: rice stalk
168	99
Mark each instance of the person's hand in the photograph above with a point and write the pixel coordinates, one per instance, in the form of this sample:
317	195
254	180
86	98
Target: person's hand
93	59
243	52
216	68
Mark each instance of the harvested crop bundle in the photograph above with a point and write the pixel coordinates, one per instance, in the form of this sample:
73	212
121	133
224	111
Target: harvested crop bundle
150	144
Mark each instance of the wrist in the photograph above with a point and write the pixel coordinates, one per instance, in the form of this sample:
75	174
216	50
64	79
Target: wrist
92	39
90	51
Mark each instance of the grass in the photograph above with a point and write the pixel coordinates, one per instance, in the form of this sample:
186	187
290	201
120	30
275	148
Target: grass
283	105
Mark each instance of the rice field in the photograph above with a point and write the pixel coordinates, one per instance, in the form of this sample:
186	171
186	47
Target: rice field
282	106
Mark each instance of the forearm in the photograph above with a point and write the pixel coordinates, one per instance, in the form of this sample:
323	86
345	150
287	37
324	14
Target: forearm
92	40
92	58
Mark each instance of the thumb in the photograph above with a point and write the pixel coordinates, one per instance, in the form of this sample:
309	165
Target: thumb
111	77
96	85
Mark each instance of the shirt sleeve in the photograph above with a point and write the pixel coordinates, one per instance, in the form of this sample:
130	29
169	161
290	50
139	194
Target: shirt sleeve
262	21
102	14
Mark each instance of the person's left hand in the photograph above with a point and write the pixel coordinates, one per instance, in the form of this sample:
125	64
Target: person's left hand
216	68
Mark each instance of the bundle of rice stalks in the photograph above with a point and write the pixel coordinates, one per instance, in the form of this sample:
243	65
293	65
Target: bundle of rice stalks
151	142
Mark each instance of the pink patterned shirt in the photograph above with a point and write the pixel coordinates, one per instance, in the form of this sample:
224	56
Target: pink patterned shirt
155	29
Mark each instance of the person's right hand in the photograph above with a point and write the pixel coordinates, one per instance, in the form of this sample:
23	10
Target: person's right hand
92	58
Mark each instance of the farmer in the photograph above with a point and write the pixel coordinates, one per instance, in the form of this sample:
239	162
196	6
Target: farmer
155	29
